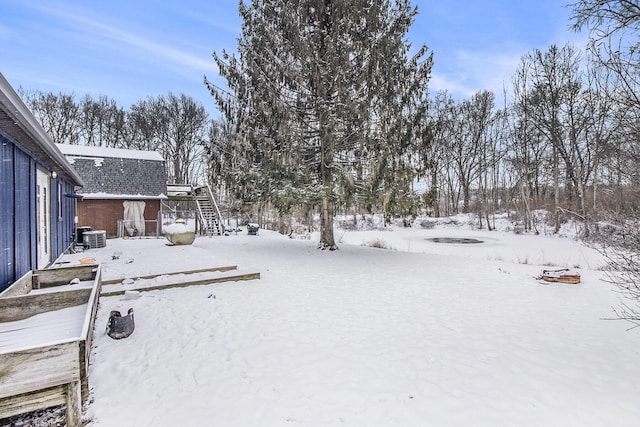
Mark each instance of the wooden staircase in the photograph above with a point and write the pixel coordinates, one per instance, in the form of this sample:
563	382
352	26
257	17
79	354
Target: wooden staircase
208	212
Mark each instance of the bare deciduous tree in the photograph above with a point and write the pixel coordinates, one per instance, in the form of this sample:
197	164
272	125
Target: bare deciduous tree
58	114
613	27
101	122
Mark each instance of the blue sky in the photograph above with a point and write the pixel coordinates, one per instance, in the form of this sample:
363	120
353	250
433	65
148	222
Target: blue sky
131	50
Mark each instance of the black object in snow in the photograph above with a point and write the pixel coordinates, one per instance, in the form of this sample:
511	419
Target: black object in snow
120	326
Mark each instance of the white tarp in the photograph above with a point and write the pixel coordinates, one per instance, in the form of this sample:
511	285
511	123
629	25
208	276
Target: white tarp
134	217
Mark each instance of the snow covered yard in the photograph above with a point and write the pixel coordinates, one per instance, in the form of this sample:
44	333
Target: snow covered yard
422	333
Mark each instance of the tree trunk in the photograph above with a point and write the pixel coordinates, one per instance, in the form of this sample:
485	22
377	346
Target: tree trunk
327	240
556	194
466	205
435	201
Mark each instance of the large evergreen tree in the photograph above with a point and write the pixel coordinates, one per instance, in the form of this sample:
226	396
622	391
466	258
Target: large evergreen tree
327	101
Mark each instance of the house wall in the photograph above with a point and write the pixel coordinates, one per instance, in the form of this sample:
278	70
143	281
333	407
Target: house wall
24	208
104	214
18	222
7	236
62	219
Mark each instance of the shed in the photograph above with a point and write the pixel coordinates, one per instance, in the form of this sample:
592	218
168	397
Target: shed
123	189
37	187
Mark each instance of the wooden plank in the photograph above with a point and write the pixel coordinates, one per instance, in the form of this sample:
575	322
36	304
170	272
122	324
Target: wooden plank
180	198
87	333
153	276
22	286
33	401
21	307
92	301
74	404
55	374
234	278
179	187
38	368
62	275
84	351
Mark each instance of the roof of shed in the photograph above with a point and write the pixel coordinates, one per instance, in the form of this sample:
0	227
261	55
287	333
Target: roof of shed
19	125
84	150
115	173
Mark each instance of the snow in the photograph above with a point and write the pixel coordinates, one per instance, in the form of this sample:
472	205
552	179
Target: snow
179	227
73	285
42	329
422	333
72	151
108	196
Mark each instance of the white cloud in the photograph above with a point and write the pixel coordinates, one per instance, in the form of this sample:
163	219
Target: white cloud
464	73
93	28
178	57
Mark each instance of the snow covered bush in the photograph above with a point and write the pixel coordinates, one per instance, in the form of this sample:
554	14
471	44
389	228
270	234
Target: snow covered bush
377	243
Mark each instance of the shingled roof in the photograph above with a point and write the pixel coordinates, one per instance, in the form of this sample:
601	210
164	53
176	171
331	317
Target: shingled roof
114	173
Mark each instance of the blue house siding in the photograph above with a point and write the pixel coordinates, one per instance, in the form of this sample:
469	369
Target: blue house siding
18	236
26	149
7	231
24	195
18	226
62	217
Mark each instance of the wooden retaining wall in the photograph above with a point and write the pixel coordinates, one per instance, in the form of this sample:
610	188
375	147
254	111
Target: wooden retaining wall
53	373
111	288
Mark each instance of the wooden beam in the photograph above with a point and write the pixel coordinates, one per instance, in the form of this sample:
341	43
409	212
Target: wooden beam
33	401
24	306
87	333
63	275
153	276
74	404
22	286
176	198
234	278
38	368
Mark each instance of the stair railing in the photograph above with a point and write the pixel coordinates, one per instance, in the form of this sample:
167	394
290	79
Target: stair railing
203	221
217	210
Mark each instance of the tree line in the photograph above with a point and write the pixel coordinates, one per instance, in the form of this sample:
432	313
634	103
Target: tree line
176	126
326	111
301	130
559	142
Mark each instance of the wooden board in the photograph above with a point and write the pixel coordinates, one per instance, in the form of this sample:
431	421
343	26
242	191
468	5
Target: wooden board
39	368
571	279
562	275
22	286
87	334
62	275
21	307
54	373
153	276
232	278
33	401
